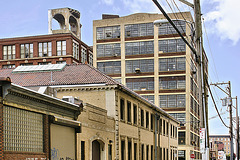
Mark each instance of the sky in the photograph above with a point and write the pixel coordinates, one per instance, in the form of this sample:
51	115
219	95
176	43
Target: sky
221	32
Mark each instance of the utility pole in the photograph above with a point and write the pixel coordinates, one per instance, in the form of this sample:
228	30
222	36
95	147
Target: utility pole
229	101
237	130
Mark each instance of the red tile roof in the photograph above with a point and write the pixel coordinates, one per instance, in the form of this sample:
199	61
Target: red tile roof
73	74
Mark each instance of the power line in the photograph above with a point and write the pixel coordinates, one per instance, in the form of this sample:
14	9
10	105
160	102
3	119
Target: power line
215	104
210	49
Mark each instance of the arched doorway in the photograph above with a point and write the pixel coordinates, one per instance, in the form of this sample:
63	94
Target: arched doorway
97	150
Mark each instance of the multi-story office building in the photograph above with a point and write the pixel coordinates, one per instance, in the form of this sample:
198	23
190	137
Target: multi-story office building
62	45
154	62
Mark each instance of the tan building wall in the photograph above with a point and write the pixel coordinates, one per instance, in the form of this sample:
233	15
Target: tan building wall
103	124
140	18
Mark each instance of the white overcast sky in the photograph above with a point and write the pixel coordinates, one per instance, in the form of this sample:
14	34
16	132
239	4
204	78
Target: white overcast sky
28	17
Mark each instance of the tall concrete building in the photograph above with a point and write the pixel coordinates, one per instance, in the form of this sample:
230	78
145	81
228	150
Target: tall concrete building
154	62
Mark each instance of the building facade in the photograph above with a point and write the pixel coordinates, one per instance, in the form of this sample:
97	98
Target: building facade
62	45
116	122
219	143
153	61
33	125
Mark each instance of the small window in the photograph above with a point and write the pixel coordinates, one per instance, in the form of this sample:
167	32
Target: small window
122	149
134	113
129	111
82	150
147	119
135	151
167	128
129	150
164	129
122	109
142	118
147	152
109	152
181	138
142	148
152	121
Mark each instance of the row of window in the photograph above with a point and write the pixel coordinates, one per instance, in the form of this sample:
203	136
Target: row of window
129	113
144	65
172	101
44	50
147	151
136	48
138	30
142	84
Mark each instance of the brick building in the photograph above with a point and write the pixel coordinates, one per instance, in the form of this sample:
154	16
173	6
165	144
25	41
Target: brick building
117	123
33	125
63	45
219	143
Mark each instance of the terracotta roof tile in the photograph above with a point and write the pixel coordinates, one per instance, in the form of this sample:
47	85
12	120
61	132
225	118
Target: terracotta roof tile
71	75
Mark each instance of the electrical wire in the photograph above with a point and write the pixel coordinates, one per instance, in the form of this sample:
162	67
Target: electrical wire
210	49
215	104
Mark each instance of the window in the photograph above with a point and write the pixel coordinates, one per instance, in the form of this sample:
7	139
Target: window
145	65
152	121
61	62
147	152
82	150
137	30
142	148
45	49
83	55
160	153
26	50
129	112
109	151
108	32
152	156
171	45
23	130
75	50
147	119
108	50
172	64
142	118
90	59
168	101
113	67
181	138
134	114
180	117
123	149
44	63
61	48
26	64
172	82
160	126
135	151
9	52
140	84
8	66
149	98
129	150
164	128
167	28
122	109
136	48
167	130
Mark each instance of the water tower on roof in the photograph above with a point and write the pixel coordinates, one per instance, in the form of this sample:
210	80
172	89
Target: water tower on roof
68	19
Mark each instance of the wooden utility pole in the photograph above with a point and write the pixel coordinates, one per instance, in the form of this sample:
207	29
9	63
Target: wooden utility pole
229	101
202	78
